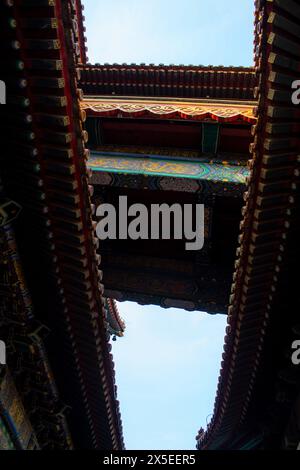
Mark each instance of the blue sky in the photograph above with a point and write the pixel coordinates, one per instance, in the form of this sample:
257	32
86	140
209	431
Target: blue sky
168	362
170	31
167	366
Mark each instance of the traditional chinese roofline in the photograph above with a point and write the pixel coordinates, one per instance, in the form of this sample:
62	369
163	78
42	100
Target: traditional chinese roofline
116	323
46	171
168	80
81	30
204	110
270	214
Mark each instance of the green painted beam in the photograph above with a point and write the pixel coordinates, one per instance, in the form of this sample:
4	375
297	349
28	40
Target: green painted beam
210	137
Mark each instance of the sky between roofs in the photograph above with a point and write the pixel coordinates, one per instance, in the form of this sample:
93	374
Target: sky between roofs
217	32
168	362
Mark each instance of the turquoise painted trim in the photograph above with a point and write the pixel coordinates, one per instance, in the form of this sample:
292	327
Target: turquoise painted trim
114	163
251	445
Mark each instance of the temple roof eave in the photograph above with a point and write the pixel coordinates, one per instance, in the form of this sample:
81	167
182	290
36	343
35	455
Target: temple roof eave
199	110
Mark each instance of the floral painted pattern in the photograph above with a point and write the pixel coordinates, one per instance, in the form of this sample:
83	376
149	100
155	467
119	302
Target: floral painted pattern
152	166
